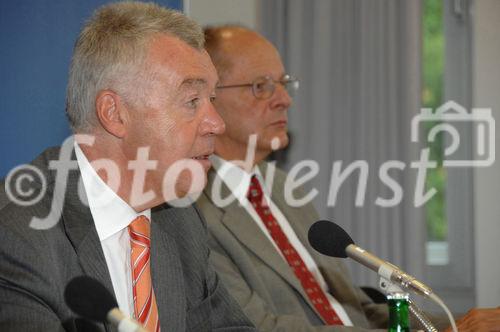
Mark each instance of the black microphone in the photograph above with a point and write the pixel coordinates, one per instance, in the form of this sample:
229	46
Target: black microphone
89	298
330	239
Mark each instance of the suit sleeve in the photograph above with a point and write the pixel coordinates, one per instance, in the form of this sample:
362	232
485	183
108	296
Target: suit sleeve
20	311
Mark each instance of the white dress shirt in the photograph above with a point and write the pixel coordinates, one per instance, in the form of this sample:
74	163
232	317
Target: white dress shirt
237	180
111	215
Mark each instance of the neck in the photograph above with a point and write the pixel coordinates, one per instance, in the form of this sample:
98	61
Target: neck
113	168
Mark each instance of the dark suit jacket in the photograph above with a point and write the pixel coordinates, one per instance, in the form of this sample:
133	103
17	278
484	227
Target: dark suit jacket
262	282
35	265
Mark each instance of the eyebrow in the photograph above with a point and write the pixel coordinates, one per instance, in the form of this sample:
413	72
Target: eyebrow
192	82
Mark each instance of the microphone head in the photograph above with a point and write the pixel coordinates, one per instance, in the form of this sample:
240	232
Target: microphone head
328	238
88	298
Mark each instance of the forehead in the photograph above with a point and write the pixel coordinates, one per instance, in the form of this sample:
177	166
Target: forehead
252	57
179	63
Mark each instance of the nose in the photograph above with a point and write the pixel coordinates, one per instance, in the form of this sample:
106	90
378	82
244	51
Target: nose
281	99
212	123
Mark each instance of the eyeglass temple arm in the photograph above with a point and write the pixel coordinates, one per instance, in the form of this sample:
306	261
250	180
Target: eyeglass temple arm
234	86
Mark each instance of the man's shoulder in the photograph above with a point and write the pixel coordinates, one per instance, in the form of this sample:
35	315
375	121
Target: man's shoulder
31	207
24	191
21	179
28	249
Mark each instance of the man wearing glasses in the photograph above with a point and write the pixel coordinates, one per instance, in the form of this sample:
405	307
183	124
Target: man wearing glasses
259	243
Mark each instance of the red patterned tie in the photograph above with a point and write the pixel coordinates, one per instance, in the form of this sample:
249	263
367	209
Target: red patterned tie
309	283
145	309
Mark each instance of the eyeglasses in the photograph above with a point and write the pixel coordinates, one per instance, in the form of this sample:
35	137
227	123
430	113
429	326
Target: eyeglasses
264	87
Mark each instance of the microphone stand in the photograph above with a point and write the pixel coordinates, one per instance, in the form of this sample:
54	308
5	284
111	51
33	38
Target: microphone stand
387	287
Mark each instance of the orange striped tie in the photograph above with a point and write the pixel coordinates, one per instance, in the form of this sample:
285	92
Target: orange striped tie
145	309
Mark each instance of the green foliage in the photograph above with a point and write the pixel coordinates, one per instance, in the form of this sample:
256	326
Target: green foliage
432	97
433	53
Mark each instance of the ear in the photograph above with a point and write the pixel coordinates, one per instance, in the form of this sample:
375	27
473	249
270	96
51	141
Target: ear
111	113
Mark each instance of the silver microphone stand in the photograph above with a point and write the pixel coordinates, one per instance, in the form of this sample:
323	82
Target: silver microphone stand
387	286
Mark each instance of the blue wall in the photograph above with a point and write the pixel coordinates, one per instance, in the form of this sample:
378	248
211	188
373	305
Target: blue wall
36	41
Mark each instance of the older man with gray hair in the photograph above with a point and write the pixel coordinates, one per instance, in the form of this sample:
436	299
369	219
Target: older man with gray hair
139	101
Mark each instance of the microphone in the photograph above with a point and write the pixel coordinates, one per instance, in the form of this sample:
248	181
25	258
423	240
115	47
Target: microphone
330	239
88	298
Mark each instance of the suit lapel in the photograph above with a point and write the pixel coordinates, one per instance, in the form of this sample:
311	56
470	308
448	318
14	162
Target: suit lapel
81	231
165	262
240	224
237	220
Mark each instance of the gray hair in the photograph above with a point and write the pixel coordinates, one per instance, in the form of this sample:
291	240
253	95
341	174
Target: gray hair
111	50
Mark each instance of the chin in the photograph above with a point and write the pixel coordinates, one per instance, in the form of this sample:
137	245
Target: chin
283	142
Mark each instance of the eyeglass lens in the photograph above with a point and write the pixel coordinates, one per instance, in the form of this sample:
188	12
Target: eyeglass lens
264	87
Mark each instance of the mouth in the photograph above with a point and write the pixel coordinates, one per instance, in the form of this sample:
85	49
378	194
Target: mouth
279	123
202	157
204	160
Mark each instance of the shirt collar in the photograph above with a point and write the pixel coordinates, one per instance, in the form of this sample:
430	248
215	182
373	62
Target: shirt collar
235	178
111	213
